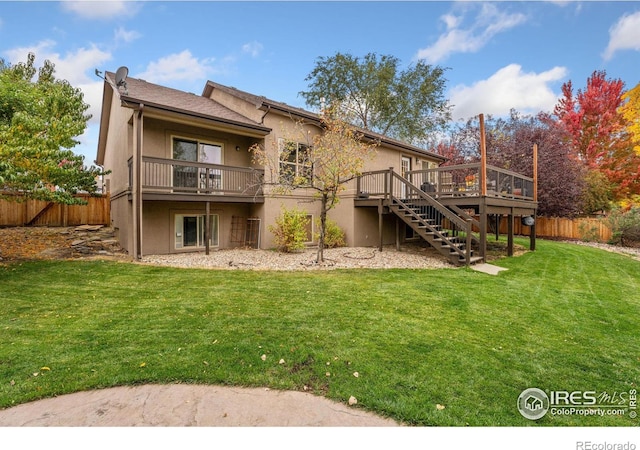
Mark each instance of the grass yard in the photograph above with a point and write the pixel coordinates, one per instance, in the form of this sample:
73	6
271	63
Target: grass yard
565	317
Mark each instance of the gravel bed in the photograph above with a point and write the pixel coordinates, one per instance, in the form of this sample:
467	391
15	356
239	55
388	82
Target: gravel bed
337	258
630	251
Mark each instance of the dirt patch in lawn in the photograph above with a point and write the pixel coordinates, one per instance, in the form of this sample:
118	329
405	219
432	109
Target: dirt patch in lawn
38	243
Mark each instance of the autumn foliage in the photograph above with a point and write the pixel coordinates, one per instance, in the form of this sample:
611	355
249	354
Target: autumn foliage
600	132
328	161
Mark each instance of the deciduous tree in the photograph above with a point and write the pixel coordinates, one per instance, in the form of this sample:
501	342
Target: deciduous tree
631	113
327	162
375	94
599	132
510	145
40	117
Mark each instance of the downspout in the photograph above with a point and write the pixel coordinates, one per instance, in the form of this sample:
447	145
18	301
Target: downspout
137	184
265	114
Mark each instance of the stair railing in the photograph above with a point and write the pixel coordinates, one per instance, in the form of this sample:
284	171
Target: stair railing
401	191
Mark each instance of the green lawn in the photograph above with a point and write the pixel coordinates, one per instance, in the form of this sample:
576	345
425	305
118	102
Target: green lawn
562	318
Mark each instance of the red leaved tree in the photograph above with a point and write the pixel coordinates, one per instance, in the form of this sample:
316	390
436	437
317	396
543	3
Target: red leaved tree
510	144
599	132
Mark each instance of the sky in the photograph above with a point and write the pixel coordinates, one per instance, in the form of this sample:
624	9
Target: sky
498	56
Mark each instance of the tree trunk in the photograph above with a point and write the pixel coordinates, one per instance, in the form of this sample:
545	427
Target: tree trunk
323	225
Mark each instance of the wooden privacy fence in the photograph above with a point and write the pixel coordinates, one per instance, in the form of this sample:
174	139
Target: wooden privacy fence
42	213
557	227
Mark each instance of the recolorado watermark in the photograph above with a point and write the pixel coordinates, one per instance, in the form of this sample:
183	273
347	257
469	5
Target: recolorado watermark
534	403
588	445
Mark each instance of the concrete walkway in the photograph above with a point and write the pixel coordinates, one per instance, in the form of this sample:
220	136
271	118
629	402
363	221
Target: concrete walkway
179	405
489	269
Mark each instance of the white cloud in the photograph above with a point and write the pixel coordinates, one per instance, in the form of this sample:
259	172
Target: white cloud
624	35
488	22
77	67
253	48
181	66
508	88
102	9
122	35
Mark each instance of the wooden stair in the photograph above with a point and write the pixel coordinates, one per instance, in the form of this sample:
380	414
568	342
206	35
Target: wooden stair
441	227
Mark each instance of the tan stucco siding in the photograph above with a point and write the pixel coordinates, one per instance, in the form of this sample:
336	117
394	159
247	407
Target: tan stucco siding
159	223
159	134
122	222
119	147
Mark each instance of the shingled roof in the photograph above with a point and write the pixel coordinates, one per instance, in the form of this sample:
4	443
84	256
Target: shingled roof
264	103
140	91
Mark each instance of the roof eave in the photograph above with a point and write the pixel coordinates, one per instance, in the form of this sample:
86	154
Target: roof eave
133	102
104	122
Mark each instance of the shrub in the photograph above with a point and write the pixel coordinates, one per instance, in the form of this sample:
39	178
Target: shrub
333	234
625	226
589	232
290	230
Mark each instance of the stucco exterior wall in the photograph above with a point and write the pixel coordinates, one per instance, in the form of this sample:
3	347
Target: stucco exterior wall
159	134
159	233
118	148
122	222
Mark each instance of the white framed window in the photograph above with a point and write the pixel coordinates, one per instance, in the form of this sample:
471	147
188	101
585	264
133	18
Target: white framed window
295	165
189	230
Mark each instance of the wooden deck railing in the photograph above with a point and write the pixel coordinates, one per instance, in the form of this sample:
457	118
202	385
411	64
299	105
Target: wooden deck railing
175	176
464	180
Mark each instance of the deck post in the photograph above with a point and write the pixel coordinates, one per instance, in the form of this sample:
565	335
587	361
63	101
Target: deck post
380	236
483	158
207	227
468	243
137	182
397	233
532	237
535	172
483	228
510	234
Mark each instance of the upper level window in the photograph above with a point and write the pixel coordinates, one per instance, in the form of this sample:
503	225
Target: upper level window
295	164
193	150
195	177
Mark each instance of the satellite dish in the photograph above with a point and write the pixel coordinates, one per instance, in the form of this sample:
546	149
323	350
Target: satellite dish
121	76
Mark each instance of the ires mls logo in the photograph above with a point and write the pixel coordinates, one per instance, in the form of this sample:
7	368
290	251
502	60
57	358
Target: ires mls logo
534	403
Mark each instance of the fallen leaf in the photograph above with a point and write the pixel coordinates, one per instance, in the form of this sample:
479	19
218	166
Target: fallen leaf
356	374
281	361
328	374
440	407
352	401
205	363
143	364
35	374
263	357
44	368
12	382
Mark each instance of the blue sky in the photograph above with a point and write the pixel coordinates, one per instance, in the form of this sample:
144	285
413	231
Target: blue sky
498	55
